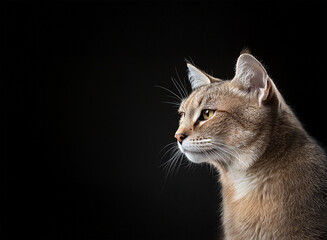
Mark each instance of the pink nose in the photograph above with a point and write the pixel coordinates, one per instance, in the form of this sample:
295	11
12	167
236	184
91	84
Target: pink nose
180	137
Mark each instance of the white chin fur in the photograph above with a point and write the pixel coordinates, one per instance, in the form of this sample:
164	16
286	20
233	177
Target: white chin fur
193	156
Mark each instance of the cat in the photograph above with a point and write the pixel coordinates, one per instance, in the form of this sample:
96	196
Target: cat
273	174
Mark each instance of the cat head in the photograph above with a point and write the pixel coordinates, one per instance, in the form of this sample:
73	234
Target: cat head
227	122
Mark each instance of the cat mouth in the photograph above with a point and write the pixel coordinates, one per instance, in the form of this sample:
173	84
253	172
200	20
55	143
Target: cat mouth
194	155
193	150
207	153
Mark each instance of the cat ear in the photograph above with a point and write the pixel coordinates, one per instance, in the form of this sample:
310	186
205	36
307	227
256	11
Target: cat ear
251	74
198	78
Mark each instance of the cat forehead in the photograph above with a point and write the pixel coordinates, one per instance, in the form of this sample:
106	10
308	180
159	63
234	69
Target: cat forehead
201	95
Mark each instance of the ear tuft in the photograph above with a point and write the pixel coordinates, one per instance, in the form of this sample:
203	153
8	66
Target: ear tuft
197	77
246	50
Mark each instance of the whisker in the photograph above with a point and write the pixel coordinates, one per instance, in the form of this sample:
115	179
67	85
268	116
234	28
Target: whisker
211	169
175	104
178	162
178	97
229	150
167	165
177	87
223	160
169	144
183	87
172	148
190	60
174	161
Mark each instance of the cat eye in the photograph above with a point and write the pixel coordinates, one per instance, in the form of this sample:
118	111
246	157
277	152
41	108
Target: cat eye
206	114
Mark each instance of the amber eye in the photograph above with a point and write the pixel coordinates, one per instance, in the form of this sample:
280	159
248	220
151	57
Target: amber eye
206	114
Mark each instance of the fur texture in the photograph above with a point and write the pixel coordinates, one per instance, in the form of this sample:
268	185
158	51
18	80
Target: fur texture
273	174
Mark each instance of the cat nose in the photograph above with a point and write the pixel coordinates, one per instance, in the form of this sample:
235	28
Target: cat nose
180	137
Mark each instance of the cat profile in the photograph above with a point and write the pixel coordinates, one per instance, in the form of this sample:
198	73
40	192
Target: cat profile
273	174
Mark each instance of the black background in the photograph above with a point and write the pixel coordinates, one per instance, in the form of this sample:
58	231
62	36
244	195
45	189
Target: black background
84	124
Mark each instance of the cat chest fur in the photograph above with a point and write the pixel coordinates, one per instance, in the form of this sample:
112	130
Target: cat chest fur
250	210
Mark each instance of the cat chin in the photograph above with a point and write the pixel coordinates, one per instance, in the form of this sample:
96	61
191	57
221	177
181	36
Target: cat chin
195	157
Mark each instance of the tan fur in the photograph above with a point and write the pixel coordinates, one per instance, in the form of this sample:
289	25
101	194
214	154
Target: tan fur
274	178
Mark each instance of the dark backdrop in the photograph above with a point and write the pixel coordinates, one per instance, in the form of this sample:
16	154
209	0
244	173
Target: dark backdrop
84	124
